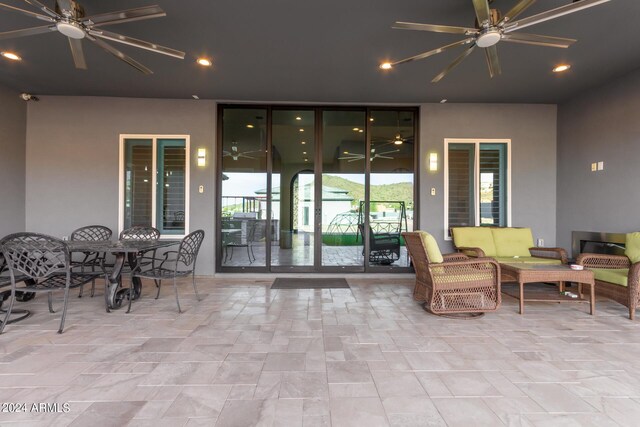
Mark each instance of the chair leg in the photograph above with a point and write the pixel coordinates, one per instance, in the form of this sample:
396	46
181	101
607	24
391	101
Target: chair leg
130	295
93	287
159	285
106	294
249	256
6	317
195	289
50	299
64	309
175	288
81	291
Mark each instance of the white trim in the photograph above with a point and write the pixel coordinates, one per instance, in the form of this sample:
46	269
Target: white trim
154	182
476	171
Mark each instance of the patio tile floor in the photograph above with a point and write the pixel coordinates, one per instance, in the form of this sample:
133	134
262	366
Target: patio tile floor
365	356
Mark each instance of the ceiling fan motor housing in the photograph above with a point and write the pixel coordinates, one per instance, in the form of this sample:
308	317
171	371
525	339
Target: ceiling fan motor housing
77	11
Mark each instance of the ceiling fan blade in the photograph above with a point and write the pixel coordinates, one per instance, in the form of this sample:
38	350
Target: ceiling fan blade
387	152
492	61
434	51
551	14
454	64
433	28
380	156
26	12
115	52
483	13
517	10
539	40
123	16
137	43
77	53
42	7
27	32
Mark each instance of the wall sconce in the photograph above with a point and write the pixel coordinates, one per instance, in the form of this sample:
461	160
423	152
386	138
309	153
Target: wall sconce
433	162
202	157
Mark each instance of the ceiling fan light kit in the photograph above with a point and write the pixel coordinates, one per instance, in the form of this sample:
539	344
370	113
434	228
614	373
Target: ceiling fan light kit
68	18
491	27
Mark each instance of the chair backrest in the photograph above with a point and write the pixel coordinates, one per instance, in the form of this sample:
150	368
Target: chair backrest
35	255
189	247
92	233
179	215
140	232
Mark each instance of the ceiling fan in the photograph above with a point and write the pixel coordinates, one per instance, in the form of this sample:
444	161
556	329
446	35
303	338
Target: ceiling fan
68	18
352	157
235	154
492	27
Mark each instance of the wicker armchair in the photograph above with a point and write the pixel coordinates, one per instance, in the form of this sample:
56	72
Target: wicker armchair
44	263
91	262
458	284
180	263
628	295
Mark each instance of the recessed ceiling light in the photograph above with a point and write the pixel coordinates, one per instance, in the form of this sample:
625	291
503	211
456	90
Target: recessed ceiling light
250	126
304	152
356	129
346	152
386	66
361	130
370	119
301	130
561	68
443	101
306	160
10	55
298	118
205	62
303	142
195	96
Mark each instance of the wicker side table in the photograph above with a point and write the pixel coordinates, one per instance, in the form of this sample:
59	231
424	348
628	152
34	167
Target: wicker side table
534	273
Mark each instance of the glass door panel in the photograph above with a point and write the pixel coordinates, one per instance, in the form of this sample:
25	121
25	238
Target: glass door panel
391	205
343	187
244	225
293	188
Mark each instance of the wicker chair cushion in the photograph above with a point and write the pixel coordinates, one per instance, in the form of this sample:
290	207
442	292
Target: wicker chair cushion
526	260
632	250
431	246
475	237
512	241
617	276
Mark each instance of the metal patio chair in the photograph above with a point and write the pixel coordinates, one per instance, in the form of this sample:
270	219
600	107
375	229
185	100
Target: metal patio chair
180	263
5	282
45	264
92	261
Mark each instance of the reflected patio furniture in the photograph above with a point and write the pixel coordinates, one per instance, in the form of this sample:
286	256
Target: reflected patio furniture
180	263
452	283
91	261
251	232
45	263
142	232
384	248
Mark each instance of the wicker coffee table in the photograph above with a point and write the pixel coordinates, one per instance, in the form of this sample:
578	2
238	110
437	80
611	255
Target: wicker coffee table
533	273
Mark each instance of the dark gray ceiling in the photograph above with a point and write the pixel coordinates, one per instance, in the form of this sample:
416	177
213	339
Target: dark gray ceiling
325	51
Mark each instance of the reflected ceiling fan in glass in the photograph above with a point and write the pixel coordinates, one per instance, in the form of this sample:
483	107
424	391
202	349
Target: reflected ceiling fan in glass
352	157
68	18
236	154
491	27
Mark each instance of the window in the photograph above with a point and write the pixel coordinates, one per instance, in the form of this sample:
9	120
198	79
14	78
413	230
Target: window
162	202
477	183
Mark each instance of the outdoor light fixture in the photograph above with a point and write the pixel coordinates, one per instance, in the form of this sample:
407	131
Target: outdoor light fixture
433	162
202	157
561	68
10	55
205	62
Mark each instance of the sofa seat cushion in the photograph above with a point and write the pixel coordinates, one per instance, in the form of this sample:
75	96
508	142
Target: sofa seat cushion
512	241
474	237
526	260
616	276
431	247
632	250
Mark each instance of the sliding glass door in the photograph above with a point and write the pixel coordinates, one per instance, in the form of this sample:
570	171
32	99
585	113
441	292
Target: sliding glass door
315	189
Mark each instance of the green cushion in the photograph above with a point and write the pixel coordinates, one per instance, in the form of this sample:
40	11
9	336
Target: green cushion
512	241
632	250
617	276
526	260
431	246
474	237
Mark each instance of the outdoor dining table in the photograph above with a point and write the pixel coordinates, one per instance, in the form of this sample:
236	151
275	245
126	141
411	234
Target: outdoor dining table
124	251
